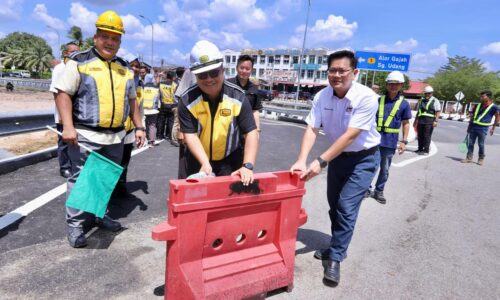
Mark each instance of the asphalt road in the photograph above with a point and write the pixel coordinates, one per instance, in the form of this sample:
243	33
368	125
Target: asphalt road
438	237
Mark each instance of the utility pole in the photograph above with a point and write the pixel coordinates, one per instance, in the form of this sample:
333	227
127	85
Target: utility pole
302	51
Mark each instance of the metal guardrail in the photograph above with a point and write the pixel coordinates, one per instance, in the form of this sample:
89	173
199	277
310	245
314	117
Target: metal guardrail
28	123
37	84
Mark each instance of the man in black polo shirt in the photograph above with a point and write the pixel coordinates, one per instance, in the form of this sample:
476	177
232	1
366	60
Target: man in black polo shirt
244	69
215	119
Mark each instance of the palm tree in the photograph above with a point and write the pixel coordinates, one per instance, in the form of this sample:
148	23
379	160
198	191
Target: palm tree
75	34
87	43
14	57
38	58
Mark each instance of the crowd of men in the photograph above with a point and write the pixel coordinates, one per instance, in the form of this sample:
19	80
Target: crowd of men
104	100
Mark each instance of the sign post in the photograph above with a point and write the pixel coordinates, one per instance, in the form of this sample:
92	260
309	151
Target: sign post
459	96
379	61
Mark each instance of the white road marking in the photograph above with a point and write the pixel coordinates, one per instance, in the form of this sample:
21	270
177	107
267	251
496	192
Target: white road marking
277	123
40	201
406	162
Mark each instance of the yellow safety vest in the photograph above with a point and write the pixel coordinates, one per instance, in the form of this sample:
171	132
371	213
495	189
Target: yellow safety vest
477	120
385	127
167	93
219	134
428	110
102	99
151	95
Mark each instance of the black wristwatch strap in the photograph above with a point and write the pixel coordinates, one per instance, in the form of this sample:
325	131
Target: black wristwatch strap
322	162
140	128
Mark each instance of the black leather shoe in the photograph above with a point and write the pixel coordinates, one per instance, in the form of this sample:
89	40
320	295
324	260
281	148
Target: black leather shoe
65	173
332	272
379	196
76	237
321	254
108	224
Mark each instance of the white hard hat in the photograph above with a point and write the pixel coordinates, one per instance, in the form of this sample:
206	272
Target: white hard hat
395	76
428	89
204	57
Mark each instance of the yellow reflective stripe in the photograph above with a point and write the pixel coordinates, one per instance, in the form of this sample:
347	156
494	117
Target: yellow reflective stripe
388	121
478	120
425	114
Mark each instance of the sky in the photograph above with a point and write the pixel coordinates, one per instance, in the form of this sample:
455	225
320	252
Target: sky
431	31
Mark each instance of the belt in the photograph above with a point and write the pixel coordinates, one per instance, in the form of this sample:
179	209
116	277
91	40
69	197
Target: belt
361	153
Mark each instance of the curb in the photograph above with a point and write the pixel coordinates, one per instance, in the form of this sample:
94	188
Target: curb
13	163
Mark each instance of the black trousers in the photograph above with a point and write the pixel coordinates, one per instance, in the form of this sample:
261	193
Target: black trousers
222	167
165	122
424	132
127	154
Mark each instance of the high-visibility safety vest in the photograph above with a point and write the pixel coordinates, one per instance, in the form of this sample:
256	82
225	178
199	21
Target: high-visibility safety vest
219	133
477	119
129	125
151	96
102	99
385	126
167	92
427	110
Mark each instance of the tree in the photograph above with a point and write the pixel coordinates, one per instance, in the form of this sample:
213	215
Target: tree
75	34
38	58
463	74
87	43
17	46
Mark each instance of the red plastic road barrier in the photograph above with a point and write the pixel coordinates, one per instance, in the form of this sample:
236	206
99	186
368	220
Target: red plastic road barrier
225	241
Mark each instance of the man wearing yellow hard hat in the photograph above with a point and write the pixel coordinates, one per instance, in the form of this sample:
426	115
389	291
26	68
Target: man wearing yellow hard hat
95	95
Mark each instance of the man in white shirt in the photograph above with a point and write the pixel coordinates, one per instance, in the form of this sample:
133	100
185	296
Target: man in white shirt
62	148
346	111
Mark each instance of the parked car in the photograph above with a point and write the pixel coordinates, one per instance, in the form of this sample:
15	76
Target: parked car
265	95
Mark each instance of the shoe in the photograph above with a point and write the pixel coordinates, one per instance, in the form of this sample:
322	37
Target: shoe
480	161
174	143
322	254
379	197
76	237
332	271
368	194
467	160
66	173
108	224
151	144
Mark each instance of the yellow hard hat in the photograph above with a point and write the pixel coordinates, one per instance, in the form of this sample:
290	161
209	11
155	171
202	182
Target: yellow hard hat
110	21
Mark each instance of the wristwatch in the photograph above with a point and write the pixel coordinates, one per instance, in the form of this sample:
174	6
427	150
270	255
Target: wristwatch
248	166
322	162
140	129
404	142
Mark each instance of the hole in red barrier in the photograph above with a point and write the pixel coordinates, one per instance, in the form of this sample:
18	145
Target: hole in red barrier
262	234
192	180
240	238
217	244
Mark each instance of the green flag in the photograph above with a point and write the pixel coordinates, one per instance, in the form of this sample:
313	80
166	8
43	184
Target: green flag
95	184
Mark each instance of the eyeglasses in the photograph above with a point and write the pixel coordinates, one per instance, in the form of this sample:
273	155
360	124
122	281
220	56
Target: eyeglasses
341	72
212	73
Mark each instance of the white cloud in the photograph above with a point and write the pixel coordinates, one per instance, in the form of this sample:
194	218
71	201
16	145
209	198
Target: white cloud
282	8
2	35
225	39
10	10
41	13
82	17
398	47
109	2
333	29
488	66
140	46
179	57
239	14
427	63
492	48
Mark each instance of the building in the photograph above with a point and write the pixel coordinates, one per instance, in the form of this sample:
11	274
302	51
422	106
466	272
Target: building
279	67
